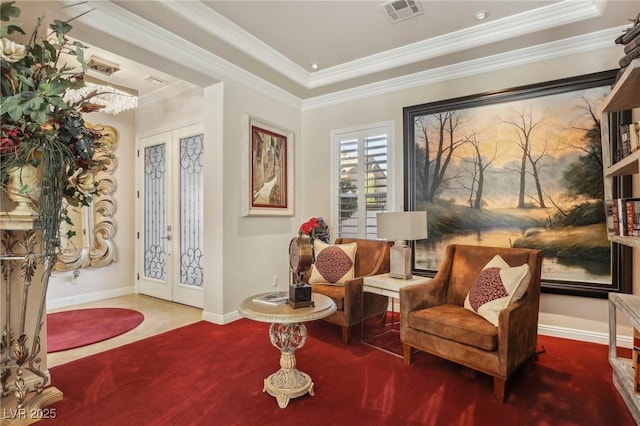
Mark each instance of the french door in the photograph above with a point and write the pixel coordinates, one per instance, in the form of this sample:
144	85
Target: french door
170	237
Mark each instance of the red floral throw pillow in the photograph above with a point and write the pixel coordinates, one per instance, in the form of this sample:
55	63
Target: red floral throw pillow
487	288
497	286
334	263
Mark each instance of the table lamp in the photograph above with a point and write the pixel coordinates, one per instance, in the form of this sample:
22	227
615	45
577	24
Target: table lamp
400	227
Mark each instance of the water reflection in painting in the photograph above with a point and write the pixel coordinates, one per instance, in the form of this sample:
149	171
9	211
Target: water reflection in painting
525	173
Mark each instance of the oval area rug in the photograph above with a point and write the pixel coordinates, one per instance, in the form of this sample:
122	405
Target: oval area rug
81	327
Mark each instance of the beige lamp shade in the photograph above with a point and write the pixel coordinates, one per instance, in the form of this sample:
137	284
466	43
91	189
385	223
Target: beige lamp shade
406	226
400	227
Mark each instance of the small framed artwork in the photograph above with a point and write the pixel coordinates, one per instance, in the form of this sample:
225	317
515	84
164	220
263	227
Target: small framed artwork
269	169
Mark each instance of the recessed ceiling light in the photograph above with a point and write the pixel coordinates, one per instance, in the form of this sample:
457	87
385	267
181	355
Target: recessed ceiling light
314	66
481	15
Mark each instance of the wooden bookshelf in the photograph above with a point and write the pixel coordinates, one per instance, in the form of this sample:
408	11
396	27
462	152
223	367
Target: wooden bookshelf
623	372
626	93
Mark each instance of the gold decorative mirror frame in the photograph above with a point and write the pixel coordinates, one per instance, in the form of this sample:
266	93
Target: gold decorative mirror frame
98	218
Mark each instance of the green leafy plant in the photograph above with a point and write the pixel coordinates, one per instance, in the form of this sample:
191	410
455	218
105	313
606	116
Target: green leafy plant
39	127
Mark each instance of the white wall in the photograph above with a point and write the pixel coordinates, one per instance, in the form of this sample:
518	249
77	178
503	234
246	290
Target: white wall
178	105
254	249
213	205
569	316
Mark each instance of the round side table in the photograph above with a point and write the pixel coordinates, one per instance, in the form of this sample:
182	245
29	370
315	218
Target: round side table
287	333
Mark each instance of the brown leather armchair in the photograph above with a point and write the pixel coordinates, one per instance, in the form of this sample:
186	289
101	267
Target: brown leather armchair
372	258
434	320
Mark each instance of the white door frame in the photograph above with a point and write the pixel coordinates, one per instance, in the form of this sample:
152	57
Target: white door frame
170	288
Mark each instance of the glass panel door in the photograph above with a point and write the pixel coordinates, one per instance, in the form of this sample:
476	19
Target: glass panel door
155	229
190	244
171	240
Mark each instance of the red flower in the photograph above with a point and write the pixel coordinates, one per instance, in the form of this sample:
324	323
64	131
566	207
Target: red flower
83	163
308	227
8	146
11	139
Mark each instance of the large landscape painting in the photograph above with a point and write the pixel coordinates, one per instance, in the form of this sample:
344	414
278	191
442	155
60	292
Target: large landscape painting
522	171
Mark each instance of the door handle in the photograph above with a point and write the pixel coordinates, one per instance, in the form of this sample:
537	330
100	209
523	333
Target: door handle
168	238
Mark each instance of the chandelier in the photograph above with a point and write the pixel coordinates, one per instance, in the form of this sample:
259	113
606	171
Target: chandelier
114	100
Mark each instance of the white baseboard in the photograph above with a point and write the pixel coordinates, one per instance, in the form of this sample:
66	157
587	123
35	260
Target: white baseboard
221	319
544	330
623	341
63	302
583	335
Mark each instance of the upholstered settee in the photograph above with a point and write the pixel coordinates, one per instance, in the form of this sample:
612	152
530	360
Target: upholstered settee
433	318
372	258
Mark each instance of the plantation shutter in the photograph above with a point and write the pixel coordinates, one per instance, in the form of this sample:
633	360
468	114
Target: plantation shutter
362	170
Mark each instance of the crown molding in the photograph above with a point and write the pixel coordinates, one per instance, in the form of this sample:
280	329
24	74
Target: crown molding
600	4
217	25
550	16
167	92
556	49
553	15
122	24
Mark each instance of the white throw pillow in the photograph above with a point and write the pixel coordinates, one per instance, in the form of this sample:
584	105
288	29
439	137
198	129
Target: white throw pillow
334	264
497	286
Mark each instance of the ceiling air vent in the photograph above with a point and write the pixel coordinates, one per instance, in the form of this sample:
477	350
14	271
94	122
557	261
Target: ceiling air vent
399	10
154	80
103	67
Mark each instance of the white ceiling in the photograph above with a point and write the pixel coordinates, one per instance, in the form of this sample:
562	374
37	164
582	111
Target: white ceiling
271	44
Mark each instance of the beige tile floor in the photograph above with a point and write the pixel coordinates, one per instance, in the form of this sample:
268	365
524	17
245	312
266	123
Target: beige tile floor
159	316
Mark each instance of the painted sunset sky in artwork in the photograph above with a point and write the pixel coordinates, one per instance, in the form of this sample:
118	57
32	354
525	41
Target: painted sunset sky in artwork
560	123
523	173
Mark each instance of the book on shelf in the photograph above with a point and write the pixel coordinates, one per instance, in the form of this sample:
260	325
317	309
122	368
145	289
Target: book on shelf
614	217
635	359
621	211
633	217
273	299
634	136
623	217
625	142
628	141
611	221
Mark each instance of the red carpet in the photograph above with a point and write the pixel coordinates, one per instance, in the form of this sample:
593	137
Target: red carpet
206	374
81	327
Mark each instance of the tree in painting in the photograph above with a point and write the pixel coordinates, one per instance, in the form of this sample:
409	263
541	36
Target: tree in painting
479	165
524	174
578	176
437	150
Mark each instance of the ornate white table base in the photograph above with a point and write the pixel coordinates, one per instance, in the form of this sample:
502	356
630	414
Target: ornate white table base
288	382
287	333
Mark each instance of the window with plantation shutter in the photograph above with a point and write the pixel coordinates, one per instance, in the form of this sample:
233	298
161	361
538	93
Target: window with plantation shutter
361	184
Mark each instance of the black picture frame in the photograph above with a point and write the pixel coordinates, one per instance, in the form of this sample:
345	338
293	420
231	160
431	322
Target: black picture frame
620	256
